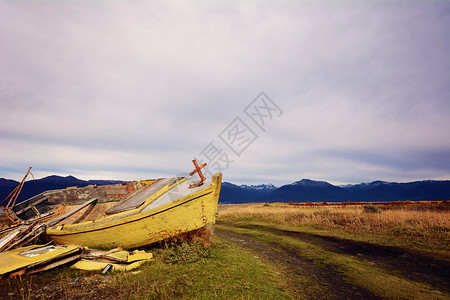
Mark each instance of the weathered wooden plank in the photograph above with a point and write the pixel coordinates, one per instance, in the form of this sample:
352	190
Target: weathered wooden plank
58	262
32	234
73	211
6	240
21	232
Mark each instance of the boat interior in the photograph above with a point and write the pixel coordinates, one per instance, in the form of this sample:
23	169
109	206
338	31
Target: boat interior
150	196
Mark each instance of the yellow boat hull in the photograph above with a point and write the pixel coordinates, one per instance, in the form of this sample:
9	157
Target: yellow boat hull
132	229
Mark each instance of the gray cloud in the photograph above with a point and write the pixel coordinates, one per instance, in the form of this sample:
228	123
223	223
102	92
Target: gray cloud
135	90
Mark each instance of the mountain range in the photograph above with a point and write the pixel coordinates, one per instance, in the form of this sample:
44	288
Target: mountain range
298	191
322	191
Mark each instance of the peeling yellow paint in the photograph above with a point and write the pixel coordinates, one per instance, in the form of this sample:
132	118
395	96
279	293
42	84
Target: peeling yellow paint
25	257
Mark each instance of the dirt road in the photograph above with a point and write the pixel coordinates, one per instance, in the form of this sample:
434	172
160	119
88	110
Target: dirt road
306	278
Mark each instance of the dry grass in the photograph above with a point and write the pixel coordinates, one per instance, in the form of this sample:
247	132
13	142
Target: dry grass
426	226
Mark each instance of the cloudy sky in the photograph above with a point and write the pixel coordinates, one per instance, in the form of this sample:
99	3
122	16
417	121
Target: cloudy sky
353	91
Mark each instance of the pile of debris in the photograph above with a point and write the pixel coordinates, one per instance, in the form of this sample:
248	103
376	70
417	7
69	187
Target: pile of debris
20	235
116	259
20	255
37	258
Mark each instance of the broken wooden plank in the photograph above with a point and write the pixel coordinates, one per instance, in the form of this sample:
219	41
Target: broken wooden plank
6	240
21	232
36	258
73	211
34	233
114	255
54	264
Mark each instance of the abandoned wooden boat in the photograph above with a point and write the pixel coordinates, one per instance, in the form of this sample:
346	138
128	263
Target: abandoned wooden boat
162	209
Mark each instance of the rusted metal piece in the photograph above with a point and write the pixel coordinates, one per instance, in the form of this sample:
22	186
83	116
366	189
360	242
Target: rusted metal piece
198	169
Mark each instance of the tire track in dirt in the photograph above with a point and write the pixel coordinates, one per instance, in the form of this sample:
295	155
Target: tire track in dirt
302	278
408	264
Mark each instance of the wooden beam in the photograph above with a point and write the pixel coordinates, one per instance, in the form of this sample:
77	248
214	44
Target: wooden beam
75	210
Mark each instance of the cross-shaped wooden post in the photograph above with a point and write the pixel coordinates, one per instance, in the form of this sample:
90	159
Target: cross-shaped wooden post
198	169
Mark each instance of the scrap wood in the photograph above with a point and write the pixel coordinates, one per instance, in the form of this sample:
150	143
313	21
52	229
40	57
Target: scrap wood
10	227
28	237
134	260
13	198
48	215
116	254
73	211
21	236
6	240
16	235
93	265
54	264
33	259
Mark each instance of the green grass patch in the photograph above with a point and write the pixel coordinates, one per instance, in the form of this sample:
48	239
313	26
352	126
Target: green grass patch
364	274
225	272
183	271
395	238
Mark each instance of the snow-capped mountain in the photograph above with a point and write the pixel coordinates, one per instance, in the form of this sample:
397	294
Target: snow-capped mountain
232	193
259	187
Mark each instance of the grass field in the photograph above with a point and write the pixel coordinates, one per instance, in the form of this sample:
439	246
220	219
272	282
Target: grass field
397	252
279	251
419	226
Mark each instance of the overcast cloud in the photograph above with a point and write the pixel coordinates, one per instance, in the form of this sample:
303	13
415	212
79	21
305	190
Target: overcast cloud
133	90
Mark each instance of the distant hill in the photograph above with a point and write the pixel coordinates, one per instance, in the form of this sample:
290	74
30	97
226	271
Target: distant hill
322	191
299	191
32	188
393	191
